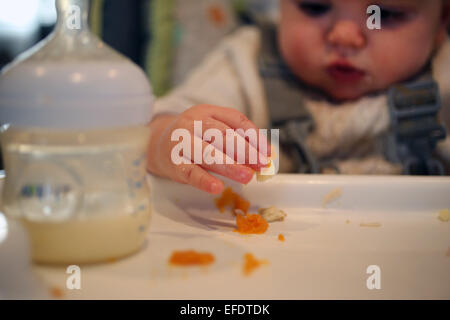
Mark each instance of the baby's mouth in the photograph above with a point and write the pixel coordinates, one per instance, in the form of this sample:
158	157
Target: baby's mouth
345	72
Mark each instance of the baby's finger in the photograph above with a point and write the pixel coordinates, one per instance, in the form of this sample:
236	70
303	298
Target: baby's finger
231	117
216	161
233	144
237	120
197	177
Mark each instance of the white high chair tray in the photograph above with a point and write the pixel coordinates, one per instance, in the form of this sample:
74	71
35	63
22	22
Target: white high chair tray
389	222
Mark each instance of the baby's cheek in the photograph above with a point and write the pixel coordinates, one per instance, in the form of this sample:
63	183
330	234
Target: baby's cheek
398	61
302	51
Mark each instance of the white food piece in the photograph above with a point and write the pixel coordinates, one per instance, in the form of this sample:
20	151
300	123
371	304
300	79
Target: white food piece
272	214
444	215
263	177
371	224
268	172
331	196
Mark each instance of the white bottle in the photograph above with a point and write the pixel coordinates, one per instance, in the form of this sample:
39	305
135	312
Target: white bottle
74	142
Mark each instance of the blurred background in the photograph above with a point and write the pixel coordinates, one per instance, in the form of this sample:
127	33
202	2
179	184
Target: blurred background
161	36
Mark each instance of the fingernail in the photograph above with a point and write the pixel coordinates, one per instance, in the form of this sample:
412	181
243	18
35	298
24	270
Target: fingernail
246	175
215	187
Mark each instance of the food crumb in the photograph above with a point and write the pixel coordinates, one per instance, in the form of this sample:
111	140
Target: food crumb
232	199
371	225
191	258
251	224
272	214
251	263
56	292
281	237
444	215
331	196
347	222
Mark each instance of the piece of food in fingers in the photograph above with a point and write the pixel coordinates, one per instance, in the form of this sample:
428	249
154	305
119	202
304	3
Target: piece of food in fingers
269	171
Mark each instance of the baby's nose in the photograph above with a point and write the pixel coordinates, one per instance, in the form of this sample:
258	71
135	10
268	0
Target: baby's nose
347	34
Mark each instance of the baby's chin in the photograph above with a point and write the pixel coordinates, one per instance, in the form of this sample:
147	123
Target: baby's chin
345	96
342	95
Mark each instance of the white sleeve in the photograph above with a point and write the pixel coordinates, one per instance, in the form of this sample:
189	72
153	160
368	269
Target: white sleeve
228	77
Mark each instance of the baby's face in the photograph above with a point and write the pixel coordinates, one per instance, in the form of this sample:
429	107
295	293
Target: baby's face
328	45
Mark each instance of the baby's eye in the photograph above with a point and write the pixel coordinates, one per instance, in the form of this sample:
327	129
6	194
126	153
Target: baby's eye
391	16
314	9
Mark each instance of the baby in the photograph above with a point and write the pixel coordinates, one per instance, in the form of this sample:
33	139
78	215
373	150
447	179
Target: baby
342	69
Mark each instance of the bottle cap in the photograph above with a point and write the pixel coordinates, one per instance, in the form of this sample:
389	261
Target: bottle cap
72	80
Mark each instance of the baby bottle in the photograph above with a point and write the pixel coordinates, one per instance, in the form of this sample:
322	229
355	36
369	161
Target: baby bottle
74	135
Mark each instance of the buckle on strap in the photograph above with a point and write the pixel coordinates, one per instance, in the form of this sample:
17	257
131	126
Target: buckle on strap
415	129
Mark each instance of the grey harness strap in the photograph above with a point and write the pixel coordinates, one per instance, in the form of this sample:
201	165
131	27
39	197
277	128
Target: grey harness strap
415	130
286	105
412	137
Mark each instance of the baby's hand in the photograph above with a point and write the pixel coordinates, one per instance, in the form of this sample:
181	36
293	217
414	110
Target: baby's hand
160	153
